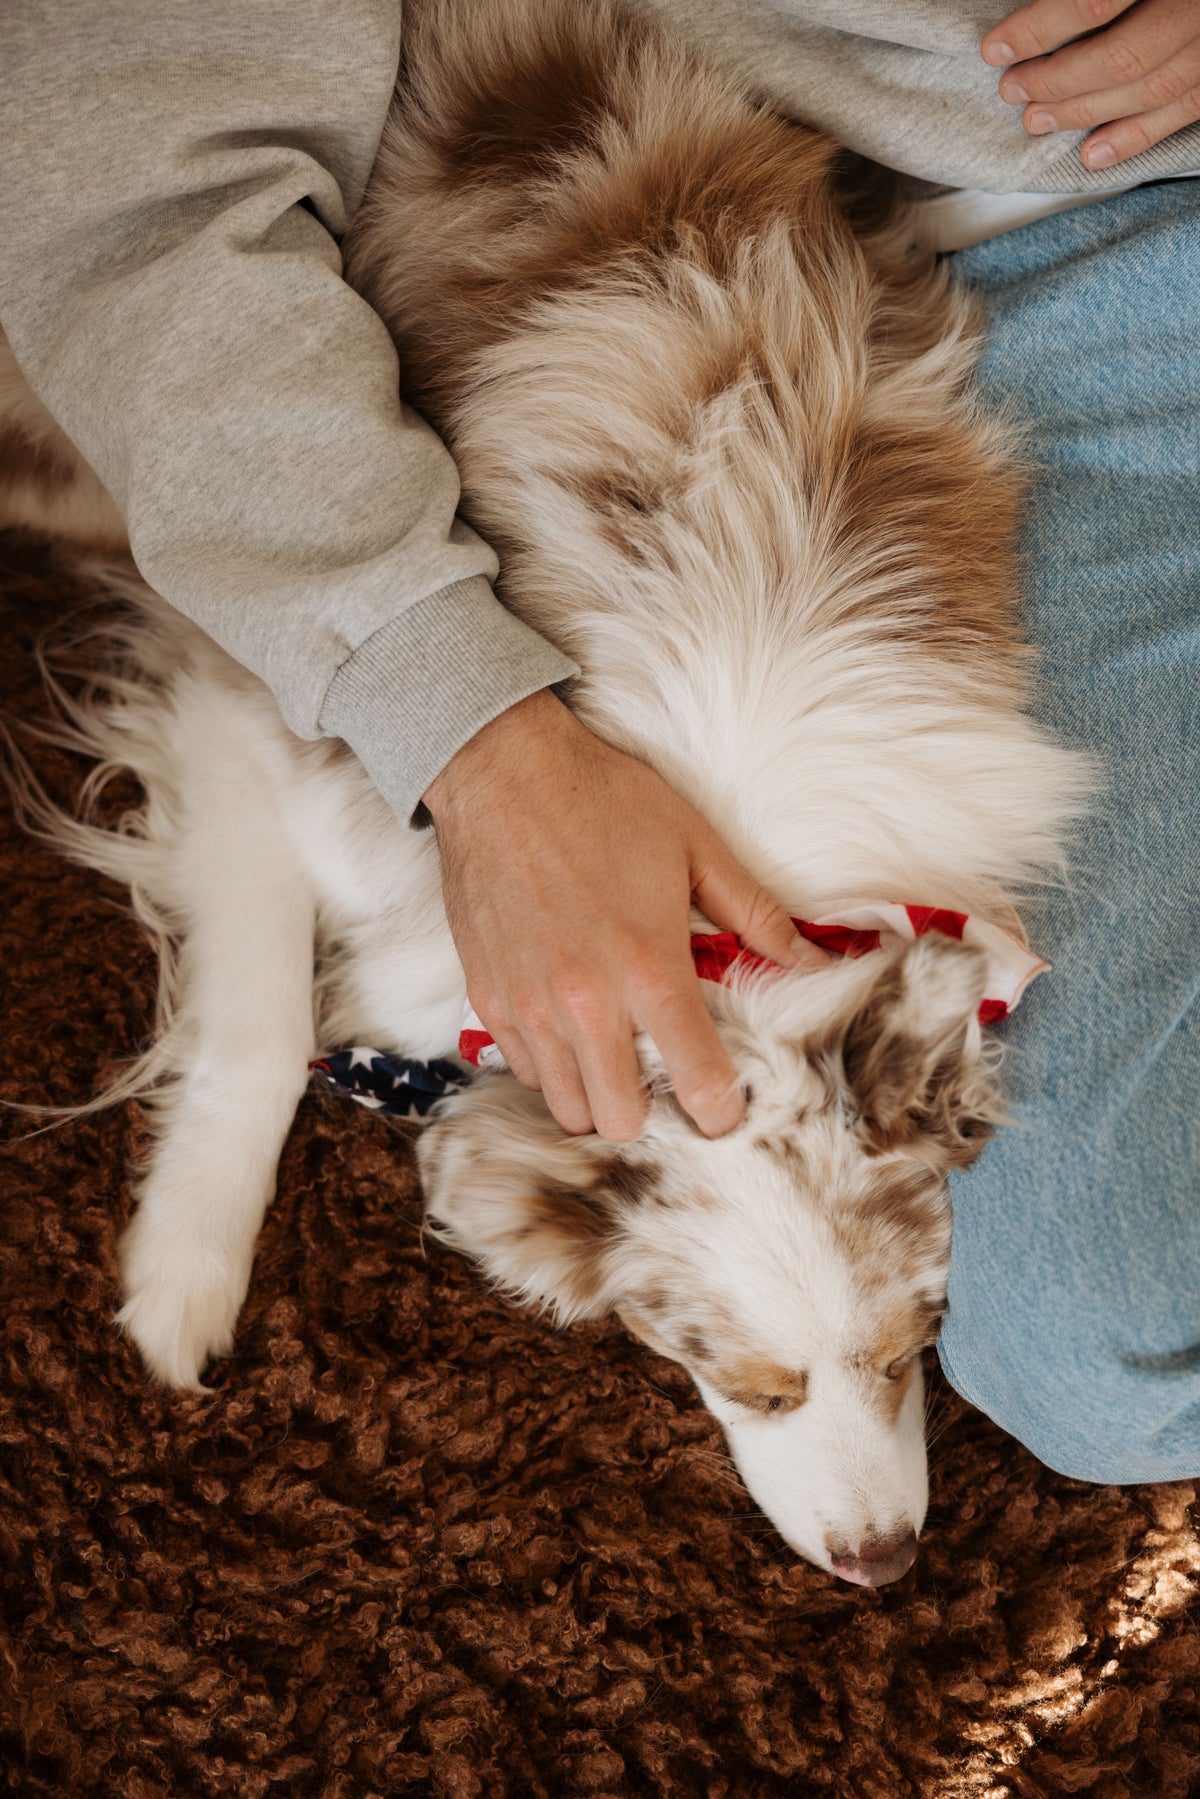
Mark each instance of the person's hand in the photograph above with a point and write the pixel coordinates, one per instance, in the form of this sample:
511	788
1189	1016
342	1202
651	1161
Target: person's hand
568	871
1137	76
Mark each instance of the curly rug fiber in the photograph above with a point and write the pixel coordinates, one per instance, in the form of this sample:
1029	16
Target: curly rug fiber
413	1542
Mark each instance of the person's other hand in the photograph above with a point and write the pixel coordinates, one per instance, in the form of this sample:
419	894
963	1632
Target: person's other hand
569	870
1136	77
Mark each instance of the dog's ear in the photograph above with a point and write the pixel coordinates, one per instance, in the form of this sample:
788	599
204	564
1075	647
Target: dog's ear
911	1055
508	1188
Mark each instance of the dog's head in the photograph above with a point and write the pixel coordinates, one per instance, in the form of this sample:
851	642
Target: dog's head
796	1267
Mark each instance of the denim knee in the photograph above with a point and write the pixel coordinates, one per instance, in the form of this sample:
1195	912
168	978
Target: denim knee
1094	1409
1075	1270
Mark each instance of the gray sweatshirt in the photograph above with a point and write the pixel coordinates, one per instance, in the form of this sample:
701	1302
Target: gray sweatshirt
176	175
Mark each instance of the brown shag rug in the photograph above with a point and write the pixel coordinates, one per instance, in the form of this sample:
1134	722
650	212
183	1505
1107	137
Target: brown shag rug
414	1542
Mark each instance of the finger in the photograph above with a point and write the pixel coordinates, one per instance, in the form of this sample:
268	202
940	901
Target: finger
1175	83
1032	30
729	895
701	1073
1089	110
512	1047
1129	137
542	1062
562	1085
1145	59
616	1092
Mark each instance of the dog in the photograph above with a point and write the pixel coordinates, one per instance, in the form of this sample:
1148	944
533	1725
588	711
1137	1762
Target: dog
712	406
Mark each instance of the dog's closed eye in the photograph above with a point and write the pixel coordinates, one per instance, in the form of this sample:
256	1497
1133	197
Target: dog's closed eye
926	1327
898	1368
767	1391
768	1405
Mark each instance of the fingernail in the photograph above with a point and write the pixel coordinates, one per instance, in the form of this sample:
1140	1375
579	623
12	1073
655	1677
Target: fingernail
808	956
1014	94
998	54
713	1130
1098	156
1040	122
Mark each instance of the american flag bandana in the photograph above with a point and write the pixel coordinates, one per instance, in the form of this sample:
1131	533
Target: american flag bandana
394	1085
857	931
402	1088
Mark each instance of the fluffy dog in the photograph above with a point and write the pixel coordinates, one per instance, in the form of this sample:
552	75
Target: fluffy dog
713	413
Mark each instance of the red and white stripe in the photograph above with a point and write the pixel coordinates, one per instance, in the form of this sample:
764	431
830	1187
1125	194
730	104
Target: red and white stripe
857	931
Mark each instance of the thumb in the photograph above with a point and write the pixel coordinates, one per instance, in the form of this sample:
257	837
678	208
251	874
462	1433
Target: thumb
729	895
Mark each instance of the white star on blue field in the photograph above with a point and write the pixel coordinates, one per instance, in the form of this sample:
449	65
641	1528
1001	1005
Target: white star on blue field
395	1085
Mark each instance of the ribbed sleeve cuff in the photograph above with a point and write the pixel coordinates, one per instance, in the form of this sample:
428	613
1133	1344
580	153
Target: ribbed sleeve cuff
424	683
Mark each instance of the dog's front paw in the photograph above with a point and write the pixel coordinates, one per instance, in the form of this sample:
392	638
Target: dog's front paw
182	1301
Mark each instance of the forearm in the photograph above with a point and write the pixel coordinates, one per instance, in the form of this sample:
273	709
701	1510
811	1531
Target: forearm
171	284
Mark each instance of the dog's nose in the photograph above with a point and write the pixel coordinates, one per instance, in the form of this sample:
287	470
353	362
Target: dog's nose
877	1559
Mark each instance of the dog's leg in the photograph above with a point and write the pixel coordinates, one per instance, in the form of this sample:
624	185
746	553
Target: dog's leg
242	1037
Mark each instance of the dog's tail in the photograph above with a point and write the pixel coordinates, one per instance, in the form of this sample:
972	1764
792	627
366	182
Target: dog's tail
103	669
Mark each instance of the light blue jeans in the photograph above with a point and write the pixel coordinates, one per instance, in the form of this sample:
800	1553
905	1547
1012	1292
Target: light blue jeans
1075	1278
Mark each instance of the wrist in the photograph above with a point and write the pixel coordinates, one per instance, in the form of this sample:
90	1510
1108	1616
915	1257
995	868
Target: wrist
507	740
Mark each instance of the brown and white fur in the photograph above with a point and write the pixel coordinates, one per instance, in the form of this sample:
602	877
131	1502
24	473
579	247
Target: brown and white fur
722	440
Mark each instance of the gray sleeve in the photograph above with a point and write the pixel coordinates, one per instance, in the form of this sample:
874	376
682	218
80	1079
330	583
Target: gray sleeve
175	175
902	81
